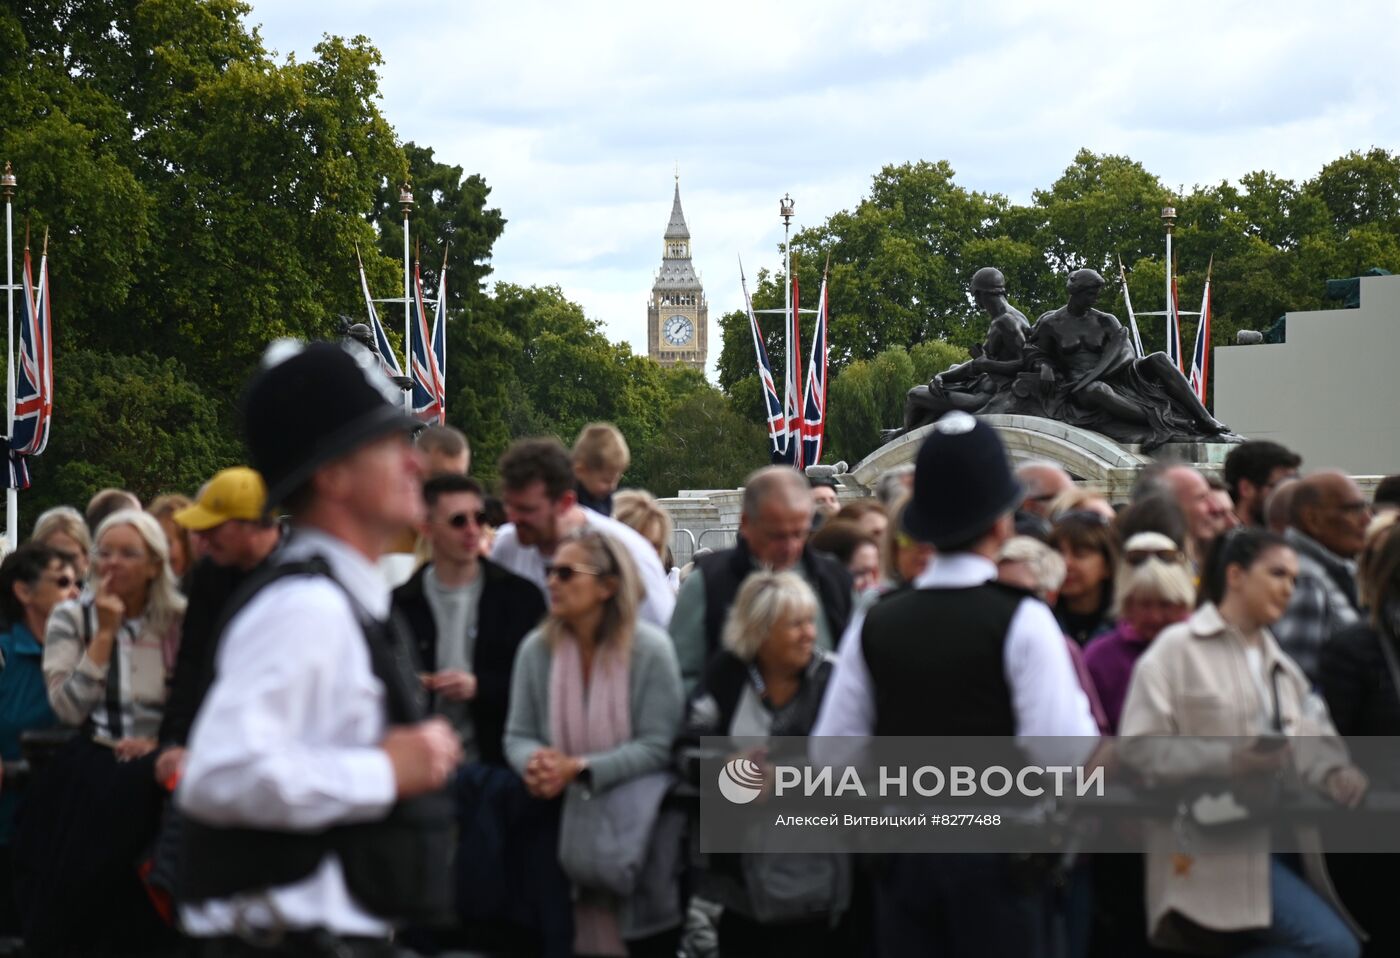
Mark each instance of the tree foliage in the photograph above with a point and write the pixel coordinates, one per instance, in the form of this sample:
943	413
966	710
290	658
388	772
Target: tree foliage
901	259
205	198
132	421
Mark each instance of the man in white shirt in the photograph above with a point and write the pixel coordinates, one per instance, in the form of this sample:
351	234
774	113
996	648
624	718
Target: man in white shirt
537	487
310	759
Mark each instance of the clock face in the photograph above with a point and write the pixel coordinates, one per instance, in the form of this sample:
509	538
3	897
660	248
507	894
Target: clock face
678	330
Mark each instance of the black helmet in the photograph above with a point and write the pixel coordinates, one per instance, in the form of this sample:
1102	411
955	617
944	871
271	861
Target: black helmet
1083	279
988	279
962	482
311	404
361	334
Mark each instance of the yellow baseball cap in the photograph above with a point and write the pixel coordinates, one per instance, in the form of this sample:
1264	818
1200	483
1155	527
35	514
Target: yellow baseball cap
234	493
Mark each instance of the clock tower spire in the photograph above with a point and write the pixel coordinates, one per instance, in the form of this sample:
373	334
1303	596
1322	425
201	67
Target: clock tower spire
677	315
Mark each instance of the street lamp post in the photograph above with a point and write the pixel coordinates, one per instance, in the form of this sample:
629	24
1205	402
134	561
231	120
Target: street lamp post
7	188
406	204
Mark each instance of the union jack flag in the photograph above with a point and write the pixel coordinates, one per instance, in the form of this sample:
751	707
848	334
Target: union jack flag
772	404
429	391
387	360
792	387
34	380
814	411
1200	356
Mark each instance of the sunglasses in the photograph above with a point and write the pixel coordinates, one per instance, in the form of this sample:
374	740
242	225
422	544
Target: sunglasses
63	581
1170	556
566	572
459	521
1086	516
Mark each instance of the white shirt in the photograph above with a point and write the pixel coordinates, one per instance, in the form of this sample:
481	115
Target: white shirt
288	737
1045	692
658	598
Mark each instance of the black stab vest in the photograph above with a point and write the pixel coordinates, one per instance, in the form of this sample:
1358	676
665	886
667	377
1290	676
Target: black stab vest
398	868
936	659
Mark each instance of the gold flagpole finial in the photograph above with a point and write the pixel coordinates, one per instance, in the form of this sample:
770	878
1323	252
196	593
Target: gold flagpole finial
8	181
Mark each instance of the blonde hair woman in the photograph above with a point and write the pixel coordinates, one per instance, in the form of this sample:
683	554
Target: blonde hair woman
64	528
1152	590
595	699
768	681
107	658
639	510
125	630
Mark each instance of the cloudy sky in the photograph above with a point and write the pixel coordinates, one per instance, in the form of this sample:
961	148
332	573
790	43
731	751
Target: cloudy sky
578	114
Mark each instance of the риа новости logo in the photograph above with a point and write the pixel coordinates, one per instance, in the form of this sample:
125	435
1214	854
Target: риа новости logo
740	781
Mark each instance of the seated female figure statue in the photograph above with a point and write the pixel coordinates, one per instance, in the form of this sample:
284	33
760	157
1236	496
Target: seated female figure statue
1089	375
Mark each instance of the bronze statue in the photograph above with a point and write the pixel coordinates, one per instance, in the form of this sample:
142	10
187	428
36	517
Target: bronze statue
1075	365
970	386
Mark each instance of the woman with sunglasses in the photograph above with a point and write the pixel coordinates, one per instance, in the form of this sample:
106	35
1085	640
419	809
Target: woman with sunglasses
1222	674
767	681
33	579
1152	590
595	700
1090	549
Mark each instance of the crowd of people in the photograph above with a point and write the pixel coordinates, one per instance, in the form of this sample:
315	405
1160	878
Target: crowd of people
347	700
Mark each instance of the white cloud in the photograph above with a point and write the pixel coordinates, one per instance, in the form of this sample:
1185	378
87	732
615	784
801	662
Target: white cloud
575	114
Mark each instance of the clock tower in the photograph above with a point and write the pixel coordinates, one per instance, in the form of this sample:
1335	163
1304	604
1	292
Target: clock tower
677	315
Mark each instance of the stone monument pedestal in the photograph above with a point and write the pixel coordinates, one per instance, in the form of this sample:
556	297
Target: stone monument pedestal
1094	460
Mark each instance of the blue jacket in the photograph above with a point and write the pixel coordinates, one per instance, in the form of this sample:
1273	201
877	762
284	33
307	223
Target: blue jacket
24	705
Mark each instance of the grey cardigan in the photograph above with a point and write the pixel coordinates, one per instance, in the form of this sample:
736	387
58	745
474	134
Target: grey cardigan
654	691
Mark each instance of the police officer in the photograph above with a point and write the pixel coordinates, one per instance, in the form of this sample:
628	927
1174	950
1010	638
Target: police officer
994	665
312	789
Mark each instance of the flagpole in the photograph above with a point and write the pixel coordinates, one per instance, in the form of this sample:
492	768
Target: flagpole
785	210
7	186
1173	335
406	203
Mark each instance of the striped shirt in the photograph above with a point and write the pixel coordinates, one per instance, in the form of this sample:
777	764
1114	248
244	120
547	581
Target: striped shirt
124	698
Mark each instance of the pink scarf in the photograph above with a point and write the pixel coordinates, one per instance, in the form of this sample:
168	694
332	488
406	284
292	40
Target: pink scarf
596	721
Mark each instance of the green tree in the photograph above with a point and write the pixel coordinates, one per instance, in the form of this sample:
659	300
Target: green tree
133	421
203	198
705	445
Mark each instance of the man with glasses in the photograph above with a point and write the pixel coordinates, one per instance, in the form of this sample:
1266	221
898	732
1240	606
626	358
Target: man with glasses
468	616
1329	517
229	529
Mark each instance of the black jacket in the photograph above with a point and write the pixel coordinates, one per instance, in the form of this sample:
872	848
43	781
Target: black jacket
510	607
209	587
1357	684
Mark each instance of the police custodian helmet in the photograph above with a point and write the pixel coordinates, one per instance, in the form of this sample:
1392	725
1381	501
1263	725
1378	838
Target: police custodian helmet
962	482
309	405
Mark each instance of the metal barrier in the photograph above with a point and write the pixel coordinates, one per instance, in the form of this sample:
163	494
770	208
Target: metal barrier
729	534
680	555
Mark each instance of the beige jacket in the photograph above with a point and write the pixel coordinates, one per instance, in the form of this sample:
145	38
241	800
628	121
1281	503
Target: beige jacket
1194	680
